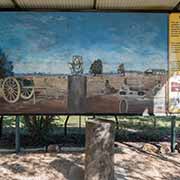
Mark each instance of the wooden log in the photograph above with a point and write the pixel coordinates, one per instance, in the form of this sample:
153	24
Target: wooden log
99	163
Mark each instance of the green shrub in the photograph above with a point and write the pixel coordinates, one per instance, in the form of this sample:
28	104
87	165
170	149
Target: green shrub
38	128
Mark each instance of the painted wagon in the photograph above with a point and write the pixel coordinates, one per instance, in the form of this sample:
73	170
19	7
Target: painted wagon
133	101
143	101
12	89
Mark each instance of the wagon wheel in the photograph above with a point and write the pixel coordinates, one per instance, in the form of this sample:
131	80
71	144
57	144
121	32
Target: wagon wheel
11	90
123	106
27	93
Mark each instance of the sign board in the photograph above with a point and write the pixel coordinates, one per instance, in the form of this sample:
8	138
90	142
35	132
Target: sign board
83	63
174	63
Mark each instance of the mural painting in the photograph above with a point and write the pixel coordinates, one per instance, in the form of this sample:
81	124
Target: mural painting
83	63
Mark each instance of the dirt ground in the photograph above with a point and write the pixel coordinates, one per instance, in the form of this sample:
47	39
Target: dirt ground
130	164
47	106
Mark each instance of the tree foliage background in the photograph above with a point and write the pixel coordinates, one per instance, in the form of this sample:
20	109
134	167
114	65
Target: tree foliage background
96	67
6	66
121	69
39	127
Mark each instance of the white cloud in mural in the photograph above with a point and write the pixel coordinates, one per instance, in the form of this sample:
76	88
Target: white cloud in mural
50	67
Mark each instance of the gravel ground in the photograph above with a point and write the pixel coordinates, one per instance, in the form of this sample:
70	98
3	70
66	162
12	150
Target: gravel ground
130	164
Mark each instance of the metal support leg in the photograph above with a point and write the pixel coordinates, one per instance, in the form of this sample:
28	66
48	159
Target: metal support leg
173	133
117	123
17	138
65	126
154	122
80	124
1	126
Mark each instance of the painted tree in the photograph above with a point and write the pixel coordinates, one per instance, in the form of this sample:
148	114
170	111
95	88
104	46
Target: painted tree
6	69
121	69
96	67
6	66
39	127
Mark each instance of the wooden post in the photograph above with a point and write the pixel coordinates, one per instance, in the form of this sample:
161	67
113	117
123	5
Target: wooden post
99	163
17	138
77	87
173	133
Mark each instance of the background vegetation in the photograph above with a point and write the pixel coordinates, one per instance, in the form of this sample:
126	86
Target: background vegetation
38	131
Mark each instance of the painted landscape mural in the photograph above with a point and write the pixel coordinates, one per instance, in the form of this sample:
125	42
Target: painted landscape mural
83	63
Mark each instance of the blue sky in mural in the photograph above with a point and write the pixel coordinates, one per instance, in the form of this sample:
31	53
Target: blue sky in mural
46	42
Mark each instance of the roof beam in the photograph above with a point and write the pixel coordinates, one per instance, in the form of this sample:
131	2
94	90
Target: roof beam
177	7
94	4
16	5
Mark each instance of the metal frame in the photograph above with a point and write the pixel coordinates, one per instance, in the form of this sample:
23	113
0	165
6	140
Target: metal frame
17	137
94	10
173	133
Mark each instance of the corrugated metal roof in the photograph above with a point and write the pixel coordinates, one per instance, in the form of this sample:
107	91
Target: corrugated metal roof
60	4
6	4
91	4
137	4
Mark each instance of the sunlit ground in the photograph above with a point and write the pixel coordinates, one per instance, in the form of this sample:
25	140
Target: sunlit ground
130	164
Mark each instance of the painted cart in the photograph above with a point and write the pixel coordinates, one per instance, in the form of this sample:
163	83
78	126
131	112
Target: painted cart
12	89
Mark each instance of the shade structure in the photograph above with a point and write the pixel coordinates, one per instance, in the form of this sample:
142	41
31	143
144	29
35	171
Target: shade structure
91	4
